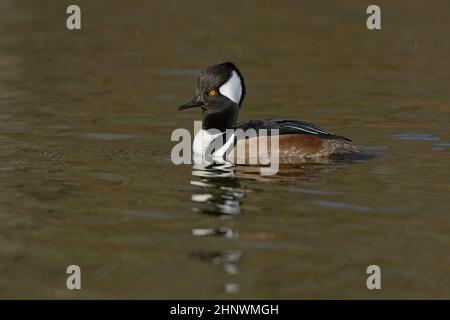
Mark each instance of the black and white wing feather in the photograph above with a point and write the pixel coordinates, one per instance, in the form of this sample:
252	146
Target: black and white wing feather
289	127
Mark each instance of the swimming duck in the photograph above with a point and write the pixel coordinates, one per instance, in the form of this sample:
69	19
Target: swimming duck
220	92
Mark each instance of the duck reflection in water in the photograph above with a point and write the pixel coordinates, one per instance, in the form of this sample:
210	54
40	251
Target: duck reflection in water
220	193
221	190
222	186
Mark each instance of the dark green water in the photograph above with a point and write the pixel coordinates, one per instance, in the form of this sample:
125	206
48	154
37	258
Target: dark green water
86	176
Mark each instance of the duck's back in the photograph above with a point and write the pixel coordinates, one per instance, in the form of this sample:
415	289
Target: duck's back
298	140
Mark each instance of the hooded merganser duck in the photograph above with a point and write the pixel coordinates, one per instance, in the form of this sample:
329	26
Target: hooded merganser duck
220	92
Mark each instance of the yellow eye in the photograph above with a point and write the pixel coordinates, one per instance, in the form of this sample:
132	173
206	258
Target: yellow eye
212	93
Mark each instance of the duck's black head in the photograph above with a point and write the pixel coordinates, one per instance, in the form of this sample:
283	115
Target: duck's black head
220	92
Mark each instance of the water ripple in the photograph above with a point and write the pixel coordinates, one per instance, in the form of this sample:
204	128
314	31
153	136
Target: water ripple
416	137
341	205
106	136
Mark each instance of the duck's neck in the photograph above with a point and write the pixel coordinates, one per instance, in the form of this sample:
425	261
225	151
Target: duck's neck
221	120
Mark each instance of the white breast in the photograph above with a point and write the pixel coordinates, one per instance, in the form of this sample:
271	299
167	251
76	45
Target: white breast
204	138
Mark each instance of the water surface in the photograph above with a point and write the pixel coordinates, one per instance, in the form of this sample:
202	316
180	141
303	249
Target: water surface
86	176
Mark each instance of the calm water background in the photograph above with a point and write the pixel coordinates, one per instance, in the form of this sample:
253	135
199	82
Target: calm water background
86	176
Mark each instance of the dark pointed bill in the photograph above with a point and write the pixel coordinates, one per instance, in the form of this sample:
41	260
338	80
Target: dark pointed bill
192	104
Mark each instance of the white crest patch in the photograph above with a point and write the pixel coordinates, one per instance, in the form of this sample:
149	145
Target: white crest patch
232	88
